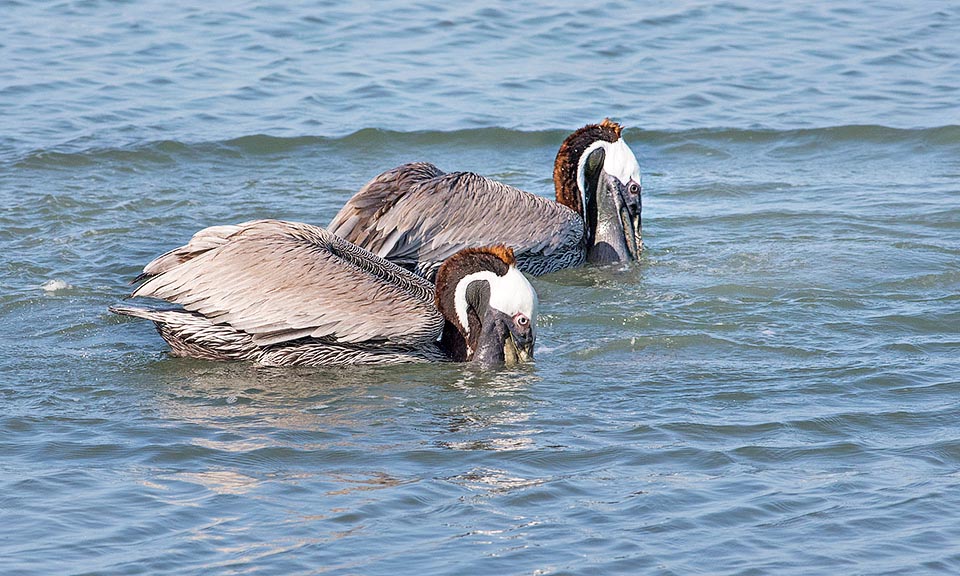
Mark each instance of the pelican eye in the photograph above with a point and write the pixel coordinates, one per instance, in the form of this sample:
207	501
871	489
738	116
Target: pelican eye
522	320
634	188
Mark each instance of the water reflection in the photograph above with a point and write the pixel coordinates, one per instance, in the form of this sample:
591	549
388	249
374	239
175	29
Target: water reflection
233	395
217	481
366	483
495	480
239	429
493	411
241	408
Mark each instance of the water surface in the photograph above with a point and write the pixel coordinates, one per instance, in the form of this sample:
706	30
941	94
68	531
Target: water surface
772	390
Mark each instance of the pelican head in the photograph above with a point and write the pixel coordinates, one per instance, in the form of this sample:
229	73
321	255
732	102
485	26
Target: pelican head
597	175
490	307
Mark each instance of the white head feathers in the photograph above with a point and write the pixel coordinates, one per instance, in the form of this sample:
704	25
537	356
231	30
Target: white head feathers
510	294
619	161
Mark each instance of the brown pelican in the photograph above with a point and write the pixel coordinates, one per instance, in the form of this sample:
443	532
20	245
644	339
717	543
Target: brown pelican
286	293
417	215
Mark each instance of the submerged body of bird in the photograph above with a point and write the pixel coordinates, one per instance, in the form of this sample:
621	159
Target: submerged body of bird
417	215
287	293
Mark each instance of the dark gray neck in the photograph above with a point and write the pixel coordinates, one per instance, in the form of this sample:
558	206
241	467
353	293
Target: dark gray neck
493	333
452	343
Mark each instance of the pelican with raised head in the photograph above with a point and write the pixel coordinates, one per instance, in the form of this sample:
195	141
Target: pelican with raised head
286	293
417	215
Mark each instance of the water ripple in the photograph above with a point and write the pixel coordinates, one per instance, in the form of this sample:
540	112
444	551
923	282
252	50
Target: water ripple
771	389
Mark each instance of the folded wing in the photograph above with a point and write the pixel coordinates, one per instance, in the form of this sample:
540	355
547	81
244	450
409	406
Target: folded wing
418	216
280	281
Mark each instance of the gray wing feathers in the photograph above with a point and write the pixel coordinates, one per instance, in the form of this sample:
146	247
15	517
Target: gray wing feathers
438	214
376	198
204	240
280	281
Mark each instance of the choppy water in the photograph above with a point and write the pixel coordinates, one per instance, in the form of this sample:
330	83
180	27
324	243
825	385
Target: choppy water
774	389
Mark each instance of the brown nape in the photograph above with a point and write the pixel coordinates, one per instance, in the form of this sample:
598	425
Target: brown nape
496	259
503	253
568	159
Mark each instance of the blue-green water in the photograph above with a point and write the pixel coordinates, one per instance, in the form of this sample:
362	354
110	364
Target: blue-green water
773	389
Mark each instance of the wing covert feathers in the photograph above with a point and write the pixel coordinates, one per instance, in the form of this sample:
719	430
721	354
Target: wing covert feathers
418	216
280	281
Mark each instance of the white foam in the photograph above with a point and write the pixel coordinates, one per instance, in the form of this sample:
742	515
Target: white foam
54	285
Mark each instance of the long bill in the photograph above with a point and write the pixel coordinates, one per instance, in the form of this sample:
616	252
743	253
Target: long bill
618	236
513	354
